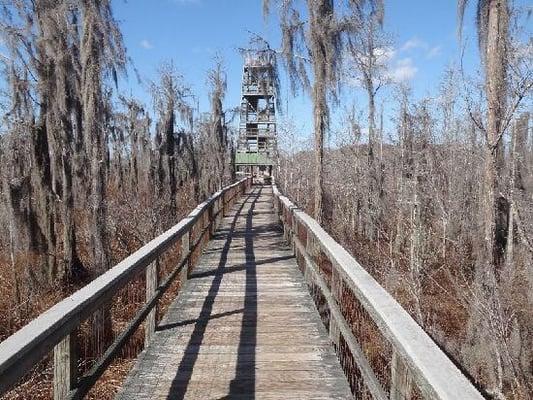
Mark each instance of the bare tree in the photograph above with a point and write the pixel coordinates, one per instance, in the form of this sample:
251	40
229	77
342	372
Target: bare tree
320	45
169	98
368	48
322	42
493	37
218	129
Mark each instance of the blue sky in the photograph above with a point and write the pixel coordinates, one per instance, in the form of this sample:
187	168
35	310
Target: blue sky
192	32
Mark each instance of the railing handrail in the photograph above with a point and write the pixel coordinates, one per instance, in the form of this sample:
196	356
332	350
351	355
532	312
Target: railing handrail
434	373
22	350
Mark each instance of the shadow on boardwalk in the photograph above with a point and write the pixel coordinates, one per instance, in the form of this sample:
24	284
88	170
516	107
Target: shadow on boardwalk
244	381
244	326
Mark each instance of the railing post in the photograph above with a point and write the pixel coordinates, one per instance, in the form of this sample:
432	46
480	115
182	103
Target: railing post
308	248
276	206
285	226
65	367
211	219
335	286
185	249
206	218
224	213
152	282
400	379
216	211
292	231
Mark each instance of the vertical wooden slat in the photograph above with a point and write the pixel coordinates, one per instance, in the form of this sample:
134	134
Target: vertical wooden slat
293	231
224	209
219	211
334	329
65	367
152	282
185	249
285	227
400	379
308	273
308	268
310	243
211	212
216	219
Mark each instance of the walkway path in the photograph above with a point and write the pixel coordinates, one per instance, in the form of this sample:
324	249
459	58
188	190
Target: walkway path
244	327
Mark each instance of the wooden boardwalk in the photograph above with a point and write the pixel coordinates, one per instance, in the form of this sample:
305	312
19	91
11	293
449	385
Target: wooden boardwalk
244	327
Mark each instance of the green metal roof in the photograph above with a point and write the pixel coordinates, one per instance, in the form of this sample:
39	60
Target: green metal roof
253	159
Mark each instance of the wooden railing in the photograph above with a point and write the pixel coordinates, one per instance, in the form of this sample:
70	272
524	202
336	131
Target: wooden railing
385	354
53	330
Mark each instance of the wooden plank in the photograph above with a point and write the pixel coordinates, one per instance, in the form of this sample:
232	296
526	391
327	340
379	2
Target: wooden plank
65	367
400	379
152	282
185	251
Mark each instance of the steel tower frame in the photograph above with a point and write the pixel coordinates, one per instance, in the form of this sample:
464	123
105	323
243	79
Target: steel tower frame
257	141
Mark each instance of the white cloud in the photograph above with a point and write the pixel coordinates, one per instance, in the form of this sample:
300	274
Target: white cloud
414	43
352	76
434	52
146	44
395	69
388	63
403	70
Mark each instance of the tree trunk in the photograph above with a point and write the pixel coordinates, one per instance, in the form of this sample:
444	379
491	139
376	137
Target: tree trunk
95	144
319	110
495	204
372	179
43	207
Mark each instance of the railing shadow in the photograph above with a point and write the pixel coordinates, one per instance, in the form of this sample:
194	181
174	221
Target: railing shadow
242	267
244	382
184	373
196	320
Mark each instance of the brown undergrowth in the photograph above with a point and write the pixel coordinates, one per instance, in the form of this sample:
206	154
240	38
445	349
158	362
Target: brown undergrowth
23	296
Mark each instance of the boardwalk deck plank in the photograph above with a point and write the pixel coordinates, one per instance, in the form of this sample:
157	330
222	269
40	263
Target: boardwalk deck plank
244	327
